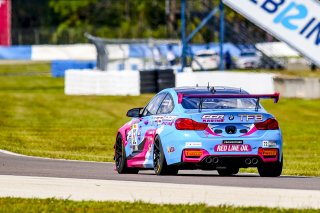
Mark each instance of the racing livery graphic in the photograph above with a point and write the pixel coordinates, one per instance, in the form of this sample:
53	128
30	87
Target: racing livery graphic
210	128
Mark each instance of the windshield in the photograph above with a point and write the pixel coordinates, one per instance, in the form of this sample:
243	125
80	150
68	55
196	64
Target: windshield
219	103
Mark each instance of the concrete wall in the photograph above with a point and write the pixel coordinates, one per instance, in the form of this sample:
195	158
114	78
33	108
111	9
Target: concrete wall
92	82
298	87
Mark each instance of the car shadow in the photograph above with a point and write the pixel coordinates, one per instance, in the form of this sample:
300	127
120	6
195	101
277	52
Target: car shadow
246	175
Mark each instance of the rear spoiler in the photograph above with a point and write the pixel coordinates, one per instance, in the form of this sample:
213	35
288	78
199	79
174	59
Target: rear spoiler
274	96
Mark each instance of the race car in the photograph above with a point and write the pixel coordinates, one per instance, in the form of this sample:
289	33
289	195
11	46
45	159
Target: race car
208	128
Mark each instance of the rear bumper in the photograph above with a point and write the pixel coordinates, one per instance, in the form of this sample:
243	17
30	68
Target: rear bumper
179	144
207	160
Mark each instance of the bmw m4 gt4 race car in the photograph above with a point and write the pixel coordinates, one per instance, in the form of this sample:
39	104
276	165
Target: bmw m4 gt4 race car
209	128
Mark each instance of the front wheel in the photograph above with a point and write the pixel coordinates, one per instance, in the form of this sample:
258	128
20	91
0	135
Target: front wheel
270	169
159	160
121	160
228	171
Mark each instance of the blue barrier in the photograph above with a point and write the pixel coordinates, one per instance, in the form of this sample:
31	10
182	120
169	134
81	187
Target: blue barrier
15	53
58	67
143	51
135	50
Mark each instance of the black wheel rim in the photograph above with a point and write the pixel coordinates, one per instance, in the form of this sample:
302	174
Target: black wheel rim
119	153
156	156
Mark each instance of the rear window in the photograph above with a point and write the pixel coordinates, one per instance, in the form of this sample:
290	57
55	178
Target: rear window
248	54
204	55
219	103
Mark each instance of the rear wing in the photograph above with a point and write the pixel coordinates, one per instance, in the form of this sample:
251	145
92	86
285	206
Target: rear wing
274	96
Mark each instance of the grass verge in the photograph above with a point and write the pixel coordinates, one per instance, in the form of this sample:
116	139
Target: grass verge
55	205
36	118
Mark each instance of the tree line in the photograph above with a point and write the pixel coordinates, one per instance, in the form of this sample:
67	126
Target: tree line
59	19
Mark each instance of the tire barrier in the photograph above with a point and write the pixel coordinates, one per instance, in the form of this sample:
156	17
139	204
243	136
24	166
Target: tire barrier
153	81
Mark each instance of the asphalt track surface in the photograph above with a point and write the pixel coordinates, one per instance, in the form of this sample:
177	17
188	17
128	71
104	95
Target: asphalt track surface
40	167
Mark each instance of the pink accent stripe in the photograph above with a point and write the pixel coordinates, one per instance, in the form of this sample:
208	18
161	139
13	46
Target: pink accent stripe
251	131
180	97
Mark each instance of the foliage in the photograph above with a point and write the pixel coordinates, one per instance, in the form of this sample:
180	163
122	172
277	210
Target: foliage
61	21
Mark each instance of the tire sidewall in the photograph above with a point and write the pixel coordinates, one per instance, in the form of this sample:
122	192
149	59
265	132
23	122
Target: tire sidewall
161	162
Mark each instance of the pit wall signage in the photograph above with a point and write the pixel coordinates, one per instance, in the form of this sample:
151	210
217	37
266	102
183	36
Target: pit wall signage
296	22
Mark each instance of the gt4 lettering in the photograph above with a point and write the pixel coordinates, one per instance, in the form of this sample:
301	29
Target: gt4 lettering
232	148
247	117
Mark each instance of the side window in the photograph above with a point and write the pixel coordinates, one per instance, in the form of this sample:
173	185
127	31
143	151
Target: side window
153	106
167	105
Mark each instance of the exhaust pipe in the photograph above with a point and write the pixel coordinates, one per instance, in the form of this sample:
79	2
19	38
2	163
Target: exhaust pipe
255	161
215	160
248	161
209	160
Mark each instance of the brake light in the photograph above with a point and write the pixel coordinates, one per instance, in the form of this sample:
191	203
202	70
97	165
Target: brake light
189	124
267	152
269	124
193	153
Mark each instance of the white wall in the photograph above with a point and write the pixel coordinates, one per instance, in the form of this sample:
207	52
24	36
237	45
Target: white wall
63	52
86	52
252	82
93	82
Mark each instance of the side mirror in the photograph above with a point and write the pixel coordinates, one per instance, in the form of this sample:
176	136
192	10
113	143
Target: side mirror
134	113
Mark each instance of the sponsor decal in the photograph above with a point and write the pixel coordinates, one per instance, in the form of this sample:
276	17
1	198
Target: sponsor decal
247	117
169	118
232	141
170	149
269	143
232	148
157	119
134	134
212	118
164	120
193	144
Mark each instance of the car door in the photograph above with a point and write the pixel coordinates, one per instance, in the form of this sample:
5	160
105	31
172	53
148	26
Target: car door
147	122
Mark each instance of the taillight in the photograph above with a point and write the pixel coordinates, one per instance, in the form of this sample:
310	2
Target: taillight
269	124
189	124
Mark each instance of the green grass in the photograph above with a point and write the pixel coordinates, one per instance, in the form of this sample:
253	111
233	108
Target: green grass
36	118
55	205
25	68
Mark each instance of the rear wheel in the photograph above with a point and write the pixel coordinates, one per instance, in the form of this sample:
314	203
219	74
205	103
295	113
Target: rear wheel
121	160
228	171
270	169
159	160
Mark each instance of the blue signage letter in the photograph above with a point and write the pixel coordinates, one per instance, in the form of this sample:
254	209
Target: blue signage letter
271	6
286	19
316	28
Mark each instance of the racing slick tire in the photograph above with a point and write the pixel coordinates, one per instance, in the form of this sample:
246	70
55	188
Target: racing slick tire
121	160
228	171
159	160
270	169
